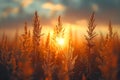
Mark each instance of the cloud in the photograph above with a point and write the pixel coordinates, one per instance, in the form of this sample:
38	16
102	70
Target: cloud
71	10
53	7
9	10
86	7
15	10
95	7
26	3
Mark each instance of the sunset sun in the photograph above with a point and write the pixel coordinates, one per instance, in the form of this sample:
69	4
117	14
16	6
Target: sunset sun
60	41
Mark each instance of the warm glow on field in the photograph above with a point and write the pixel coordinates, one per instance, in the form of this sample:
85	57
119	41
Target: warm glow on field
73	47
60	41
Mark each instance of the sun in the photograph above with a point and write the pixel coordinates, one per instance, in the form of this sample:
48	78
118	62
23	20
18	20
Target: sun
60	40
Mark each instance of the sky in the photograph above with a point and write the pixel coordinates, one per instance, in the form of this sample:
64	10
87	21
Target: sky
13	13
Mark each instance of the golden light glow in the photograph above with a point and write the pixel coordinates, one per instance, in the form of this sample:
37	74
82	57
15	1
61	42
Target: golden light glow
60	40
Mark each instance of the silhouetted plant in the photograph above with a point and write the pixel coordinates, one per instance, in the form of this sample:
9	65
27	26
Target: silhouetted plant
37	56
94	72
69	57
58	63
25	54
48	65
5	60
110	56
